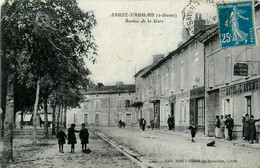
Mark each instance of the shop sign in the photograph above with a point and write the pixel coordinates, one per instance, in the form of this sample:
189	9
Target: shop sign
240	69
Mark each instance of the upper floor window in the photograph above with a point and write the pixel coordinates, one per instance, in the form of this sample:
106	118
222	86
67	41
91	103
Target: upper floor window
127	103
119	103
98	104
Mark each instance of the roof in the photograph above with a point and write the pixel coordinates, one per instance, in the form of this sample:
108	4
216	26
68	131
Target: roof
124	88
143	70
183	45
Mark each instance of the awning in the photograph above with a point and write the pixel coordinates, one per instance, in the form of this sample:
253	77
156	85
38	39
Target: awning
27	117
49	117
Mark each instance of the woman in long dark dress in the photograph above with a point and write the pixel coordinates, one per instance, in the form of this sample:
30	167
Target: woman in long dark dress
245	122
72	137
252	129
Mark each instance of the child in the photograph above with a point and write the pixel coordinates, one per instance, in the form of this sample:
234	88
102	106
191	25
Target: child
61	139
83	135
72	137
192	129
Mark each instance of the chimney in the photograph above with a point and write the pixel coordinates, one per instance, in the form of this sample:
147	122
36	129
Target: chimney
198	23
119	84
157	58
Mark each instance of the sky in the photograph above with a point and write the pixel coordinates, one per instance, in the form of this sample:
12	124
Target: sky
125	48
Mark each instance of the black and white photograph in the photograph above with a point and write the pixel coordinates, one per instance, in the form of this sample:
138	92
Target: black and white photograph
130	84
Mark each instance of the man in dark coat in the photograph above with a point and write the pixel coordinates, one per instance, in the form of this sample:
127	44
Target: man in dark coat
245	122
169	122
72	137
84	135
143	124
252	129
193	130
229	124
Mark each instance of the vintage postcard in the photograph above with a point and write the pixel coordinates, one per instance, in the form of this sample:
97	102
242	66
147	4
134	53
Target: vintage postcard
130	83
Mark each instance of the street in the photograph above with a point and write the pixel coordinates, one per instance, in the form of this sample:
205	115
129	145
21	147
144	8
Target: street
126	147
46	154
163	148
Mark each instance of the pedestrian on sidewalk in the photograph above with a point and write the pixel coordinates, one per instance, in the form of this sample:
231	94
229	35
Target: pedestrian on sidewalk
72	137
245	122
217	126
84	136
140	122
225	127
222	127
61	138
143	124
169	121
252	129
193	130
230	125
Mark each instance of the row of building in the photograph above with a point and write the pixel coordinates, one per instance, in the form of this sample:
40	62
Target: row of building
195	83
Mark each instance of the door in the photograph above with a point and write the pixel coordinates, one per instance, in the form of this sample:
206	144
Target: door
86	118
97	118
157	112
128	119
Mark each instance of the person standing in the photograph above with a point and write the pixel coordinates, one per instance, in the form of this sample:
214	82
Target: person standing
169	121
225	127
230	125
140	122
84	136
217	126
193	130
246	127
222	127
252	129
72	137
61	139
143	124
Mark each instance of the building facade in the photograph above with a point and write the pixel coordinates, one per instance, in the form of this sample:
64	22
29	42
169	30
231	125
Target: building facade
105	106
225	92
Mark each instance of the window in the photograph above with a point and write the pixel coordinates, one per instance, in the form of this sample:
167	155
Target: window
119	103
85	118
98	104
248	106
201	113
228	70
85	105
97	118
127	103
182	78
227	106
75	118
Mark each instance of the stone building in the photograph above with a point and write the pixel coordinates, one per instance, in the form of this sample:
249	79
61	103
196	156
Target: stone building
225	92
105	106
176	85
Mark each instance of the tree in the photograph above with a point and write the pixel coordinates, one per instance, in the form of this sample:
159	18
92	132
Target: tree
49	39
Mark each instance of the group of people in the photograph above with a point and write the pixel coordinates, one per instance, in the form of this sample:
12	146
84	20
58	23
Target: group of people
224	127
249	129
83	135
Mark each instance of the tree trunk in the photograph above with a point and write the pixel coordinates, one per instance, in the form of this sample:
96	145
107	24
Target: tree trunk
7	154
61	115
35	112
65	116
45	106
58	118
53	119
21	124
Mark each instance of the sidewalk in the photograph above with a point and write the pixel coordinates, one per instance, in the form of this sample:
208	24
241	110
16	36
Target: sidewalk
202	138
